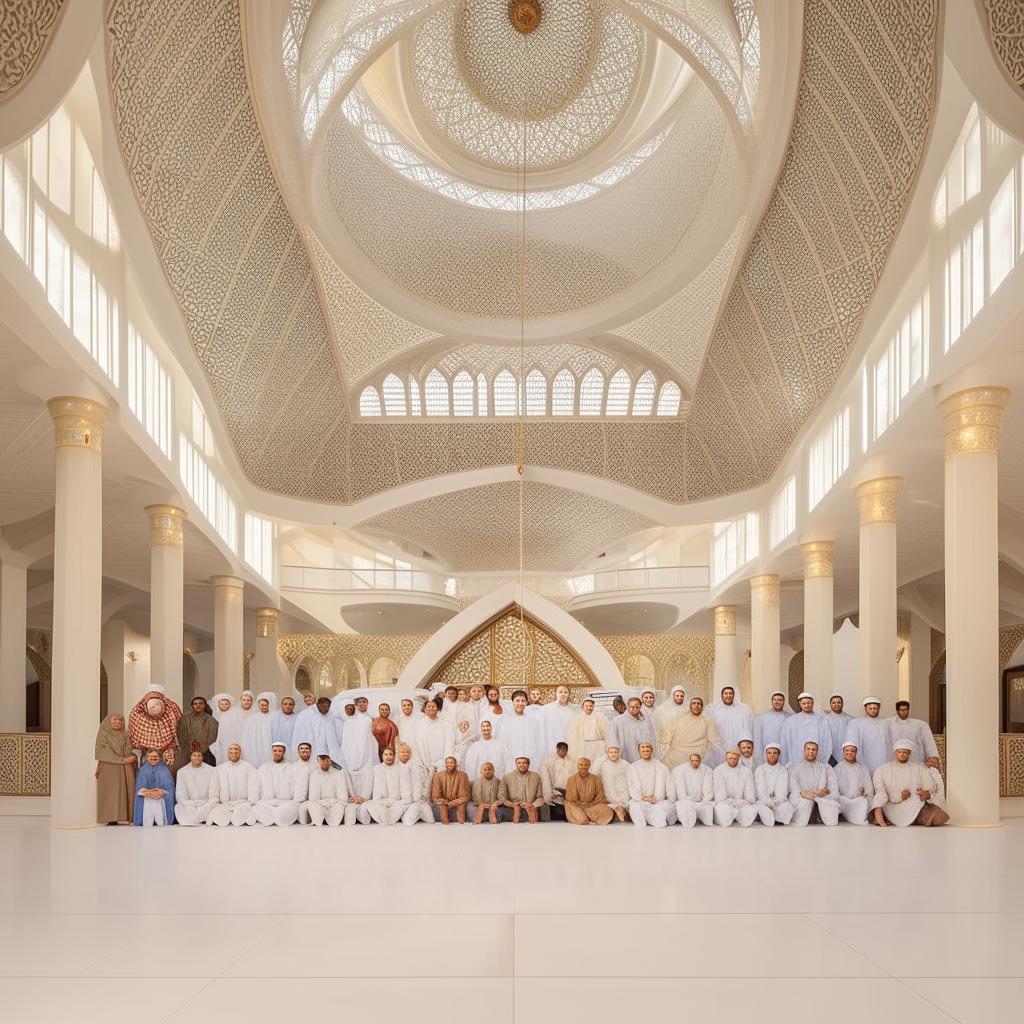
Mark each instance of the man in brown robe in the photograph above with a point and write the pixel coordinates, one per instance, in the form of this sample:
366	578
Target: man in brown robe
485	791
449	792
196	730
584	797
115	772
521	793
384	730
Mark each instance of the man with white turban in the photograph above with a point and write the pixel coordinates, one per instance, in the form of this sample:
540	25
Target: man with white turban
521	732
487	748
328	796
392	792
359	753
421	777
587	733
238	788
555	719
614	774
629	730
665	714
813	786
652	798
692	733
903	727
435	739
856	791
195	791
277	804
695	792
904	792
771	787
256	737
734	792
838	722
733	720
282	726
769	724
872	736
806	726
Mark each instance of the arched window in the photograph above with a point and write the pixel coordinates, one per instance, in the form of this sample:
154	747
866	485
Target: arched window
481	395
563	394
325	684
394	396
414	397
462	394
369	402
643	395
536	393
383	672
592	392
618	395
505	394
435	390
638	671
668	399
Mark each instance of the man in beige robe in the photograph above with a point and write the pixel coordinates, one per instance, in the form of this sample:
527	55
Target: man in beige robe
693	733
904	792
450	792
584	797
521	794
483	798
554	774
615	782
587	732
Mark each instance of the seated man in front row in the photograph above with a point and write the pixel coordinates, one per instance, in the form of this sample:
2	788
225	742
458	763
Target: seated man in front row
392	792
195	791
154	792
521	794
652	797
277	804
584	797
813	788
450	793
484	796
695	792
905	792
328	795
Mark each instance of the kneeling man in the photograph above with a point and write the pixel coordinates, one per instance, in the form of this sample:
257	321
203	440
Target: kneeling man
652	800
734	792
277	804
584	797
328	796
904	792
195	791
813	787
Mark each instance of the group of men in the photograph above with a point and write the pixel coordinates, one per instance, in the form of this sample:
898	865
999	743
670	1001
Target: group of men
472	757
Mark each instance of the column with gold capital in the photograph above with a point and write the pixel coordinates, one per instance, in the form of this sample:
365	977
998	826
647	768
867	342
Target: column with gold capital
727	667
263	672
878	500
765	653
818	615
973	421
166	596
77	607
228	593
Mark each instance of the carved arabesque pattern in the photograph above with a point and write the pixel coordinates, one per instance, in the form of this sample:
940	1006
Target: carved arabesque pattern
26	28
1004	20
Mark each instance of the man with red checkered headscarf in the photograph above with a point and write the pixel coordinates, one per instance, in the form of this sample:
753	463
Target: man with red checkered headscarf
153	722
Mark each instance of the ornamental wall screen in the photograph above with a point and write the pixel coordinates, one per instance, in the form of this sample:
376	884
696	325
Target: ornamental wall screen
496	653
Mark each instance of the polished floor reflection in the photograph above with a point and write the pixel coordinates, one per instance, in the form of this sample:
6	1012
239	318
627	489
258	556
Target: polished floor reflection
528	925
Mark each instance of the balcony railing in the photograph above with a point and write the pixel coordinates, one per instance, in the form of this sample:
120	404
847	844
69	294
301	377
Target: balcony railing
307	577
667	577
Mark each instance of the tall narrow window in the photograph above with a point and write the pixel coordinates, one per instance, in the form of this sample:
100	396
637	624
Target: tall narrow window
481	395
435	391
536	393
462	394
414	397
563	394
618	395
668	399
394	396
592	392
505	394
643	395
369	402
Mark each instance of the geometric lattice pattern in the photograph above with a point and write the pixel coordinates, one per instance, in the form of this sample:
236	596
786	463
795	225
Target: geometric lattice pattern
1005	22
25	764
26	27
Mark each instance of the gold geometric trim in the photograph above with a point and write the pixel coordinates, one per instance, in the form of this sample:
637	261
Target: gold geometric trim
266	622
166	526
879	499
973	420
817	559
77	423
725	620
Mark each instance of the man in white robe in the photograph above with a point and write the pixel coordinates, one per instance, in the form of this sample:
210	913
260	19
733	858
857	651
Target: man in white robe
587	732
734	722
838	726
555	719
652	798
934	766
747	756
256	738
221	704
813	786
409	717
359	753
735	797
666	713
392	792
450	708
856	791
487	748
238	788
304	765
195	791
420	778
554	775
320	729
903	727
692	733
806	726
276	804
628	731
695	792
648	702
771	787
230	728
282	726
536	702
435	739
872	736
328	796
472	712
615	782
904	792
521	733
769	724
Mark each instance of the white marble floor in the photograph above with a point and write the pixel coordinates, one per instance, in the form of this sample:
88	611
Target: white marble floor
520	925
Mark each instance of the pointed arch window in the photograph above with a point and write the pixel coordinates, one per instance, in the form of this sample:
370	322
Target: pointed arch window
414	397
618	395
505	394
435	391
536	394
563	394
481	395
462	394
369	402
668	399
643	395
394	396
592	392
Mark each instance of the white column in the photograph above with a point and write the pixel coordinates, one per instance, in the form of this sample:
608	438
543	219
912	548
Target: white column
263	671
818	616
13	624
878	500
765	646
727	669
973	421
77	608
227	634
167	596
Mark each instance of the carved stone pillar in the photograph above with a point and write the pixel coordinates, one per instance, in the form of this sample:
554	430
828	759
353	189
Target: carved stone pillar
765	646
818	616
167	599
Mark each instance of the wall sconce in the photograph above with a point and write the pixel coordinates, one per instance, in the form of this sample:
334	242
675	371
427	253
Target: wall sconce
132	657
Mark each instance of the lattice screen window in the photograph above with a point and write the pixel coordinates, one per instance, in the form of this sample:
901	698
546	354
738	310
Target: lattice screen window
481	395
563	394
669	399
394	396
536	393
618	395
369	402
592	392
462	394
505	394
436	394
643	395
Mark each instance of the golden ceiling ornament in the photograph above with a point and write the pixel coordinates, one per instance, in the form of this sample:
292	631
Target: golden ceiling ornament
524	15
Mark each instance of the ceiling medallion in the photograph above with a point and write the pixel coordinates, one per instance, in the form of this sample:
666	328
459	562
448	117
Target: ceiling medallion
524	15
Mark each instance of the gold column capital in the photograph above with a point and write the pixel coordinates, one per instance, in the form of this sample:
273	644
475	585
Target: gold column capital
77	422
227	583
166	526
725	620
973	420
266	622
765	588
817	559
879	499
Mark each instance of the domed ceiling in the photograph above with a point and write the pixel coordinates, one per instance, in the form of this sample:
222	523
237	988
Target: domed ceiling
337	190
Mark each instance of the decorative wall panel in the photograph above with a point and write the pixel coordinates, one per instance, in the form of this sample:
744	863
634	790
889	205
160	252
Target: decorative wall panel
26	28
25	764
1004	20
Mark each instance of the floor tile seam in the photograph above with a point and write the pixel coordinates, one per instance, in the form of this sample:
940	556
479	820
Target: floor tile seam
188	999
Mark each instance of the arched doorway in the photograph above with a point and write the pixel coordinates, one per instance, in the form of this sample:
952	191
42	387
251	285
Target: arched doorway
638	671
383	672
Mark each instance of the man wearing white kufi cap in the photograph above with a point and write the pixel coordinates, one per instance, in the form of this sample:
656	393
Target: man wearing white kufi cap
855	787
733	720
652	797
238	786
806	726
734	792
277	804
903	727
771	787
813	785
695	792
769	724
328	796
871	735
904	792
838	723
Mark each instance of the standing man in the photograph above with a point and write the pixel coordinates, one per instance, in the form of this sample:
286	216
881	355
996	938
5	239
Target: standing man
385	732
615	782
320	730
838	725
487	748
628	731
806	726
904	792
587	733
695	792
408	718
734	792
554	775
421	778
521	733
282	726
536	701
813	787
359	751
483	793
652	799
520	794
771	787
871	735
450	792
692	733
277	804
555	719
768	725
195	791
665	715
856	791
196	730
392	791
733	720
584	797
435	738
903	727
238	788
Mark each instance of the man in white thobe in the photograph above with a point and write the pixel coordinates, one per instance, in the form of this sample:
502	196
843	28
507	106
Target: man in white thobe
435	739
231	726
472	712
747	757
813	786
238	788
734	792
328	796
421	777
535	702
320	729
449	709
392	792
359	753
769	724
195	791
277	804
695	792
487	748
872	735
838	726
587	732
665	715
806	726
521	733
903	727
554	775
304	765
614	774
734	722
771	787
407	721
856	791
555	719
652	798
904	792
222	705
629	730
282	726
256	737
